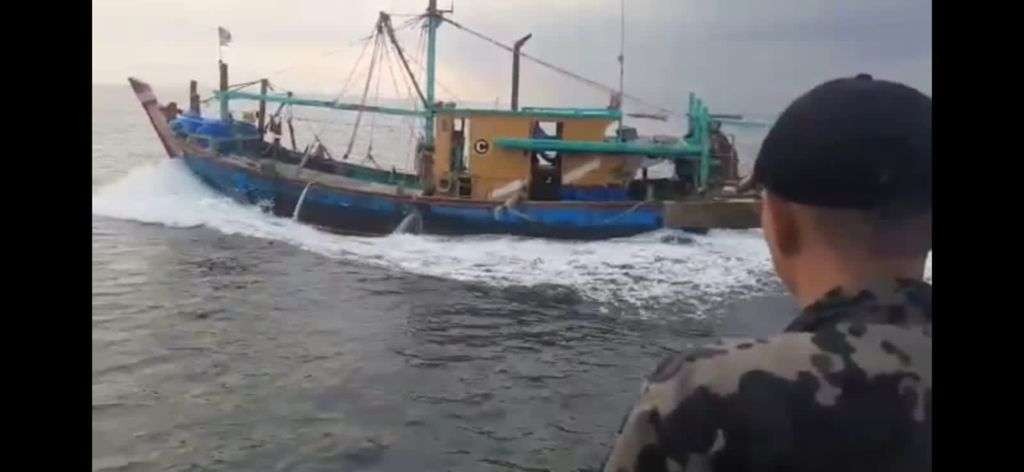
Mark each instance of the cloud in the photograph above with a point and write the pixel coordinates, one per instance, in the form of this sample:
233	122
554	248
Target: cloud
740	55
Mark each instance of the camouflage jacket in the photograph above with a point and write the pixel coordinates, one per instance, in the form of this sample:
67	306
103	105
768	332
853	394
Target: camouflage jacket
847	386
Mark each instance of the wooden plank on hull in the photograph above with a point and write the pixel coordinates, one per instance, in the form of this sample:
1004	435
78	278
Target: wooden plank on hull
733	213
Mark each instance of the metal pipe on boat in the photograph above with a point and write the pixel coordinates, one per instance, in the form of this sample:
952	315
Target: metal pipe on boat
302	162
291	128
648	187
515	70
193	97
223	90
264	83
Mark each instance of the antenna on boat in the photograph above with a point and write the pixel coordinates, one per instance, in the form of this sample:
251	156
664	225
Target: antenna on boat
561	70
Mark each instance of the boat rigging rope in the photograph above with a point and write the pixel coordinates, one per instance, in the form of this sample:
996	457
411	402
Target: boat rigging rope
324	123
394	81
408	95
380	54
366	89
555	68
231	88
419	64
325	54
352	72
386	22
620	215
366	43
299	119
243	85
509	206
373	118
418	61
411	22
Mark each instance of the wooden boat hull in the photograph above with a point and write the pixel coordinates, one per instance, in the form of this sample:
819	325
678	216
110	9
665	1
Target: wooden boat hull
358	211
349	198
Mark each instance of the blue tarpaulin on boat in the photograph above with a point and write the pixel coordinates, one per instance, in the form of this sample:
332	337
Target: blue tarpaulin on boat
593	194
216	130
213	128
186	124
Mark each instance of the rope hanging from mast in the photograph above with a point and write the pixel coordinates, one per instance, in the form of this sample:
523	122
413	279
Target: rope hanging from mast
352	72
408	93
366	90
382	37
566	72
373	119
386	21
337	98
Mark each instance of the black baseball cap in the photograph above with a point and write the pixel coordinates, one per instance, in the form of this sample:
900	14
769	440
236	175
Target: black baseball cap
851	143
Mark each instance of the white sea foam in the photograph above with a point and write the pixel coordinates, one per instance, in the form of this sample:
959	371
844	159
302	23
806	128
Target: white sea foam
642	272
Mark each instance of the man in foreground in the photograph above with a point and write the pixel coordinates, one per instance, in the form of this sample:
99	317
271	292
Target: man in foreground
846	173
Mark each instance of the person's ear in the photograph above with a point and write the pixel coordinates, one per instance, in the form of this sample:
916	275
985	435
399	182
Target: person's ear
779	225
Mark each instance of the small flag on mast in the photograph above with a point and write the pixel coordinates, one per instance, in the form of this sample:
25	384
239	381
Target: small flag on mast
224	34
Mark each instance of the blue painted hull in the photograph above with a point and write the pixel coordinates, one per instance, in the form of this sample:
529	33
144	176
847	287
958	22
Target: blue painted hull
376	213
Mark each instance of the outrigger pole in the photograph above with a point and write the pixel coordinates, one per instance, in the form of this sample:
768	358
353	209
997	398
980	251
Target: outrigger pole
285	99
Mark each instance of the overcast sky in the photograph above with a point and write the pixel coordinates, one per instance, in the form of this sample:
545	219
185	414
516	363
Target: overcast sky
748	56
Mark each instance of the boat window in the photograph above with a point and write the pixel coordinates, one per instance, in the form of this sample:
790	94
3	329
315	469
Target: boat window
546	166
460	145
547	130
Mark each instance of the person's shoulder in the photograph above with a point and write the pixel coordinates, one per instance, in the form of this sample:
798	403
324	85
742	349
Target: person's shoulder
719	399
719	365
721	368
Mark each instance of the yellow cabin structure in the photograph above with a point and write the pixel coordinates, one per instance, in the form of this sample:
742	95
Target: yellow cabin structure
468	163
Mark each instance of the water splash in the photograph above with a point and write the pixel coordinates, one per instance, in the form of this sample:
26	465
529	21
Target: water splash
298	205
412	223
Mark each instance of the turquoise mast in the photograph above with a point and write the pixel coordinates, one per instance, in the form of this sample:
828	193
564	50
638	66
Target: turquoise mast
432	23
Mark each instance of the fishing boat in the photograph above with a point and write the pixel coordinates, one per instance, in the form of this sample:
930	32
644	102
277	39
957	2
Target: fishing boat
575	173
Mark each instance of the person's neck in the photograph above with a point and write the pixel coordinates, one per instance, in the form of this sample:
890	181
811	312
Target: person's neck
824	272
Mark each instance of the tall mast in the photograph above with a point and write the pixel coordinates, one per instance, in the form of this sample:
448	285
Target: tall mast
432	23
622	58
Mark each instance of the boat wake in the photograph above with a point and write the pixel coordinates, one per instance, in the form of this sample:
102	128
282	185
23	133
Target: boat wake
644	274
